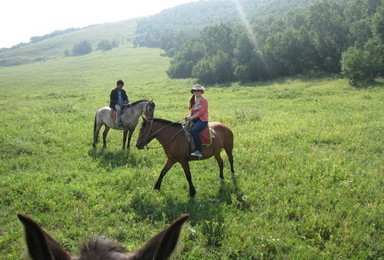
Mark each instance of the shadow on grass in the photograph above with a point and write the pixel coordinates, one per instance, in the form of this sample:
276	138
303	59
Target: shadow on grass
114	159
207	213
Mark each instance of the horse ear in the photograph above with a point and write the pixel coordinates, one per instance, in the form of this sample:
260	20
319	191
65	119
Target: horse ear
40	244
164	243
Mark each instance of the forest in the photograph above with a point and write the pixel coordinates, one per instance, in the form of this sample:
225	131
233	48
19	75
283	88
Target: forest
253	40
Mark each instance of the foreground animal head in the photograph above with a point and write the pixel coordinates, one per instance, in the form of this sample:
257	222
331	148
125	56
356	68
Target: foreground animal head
41	246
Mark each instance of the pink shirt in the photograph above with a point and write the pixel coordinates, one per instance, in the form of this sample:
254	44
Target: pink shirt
200	108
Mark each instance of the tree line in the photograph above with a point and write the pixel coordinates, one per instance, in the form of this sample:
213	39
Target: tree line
85	47
336	36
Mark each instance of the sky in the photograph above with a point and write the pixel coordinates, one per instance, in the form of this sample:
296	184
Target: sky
22	19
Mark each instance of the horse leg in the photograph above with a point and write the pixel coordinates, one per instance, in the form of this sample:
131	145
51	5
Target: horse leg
130	136
125	138
221	165
187	172
166	168
228	150
106	130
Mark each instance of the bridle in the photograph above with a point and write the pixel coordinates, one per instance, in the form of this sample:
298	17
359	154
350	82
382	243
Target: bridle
148	136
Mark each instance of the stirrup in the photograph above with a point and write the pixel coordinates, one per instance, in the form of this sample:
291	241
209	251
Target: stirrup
197	153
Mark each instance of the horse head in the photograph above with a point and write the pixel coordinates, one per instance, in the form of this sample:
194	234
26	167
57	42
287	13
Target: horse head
144	135
149	109
43	247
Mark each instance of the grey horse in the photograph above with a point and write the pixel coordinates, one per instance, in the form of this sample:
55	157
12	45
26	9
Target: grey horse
129	117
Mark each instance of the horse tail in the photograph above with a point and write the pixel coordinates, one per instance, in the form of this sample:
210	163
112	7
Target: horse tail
94	124
225	133
228	145
227	139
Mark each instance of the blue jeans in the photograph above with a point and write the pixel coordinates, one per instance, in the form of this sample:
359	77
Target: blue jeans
118	113
197	127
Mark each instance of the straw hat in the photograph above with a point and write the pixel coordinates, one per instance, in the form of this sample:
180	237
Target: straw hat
198	87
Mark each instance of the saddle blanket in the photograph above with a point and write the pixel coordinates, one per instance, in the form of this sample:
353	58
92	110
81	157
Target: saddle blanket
113	114
206	136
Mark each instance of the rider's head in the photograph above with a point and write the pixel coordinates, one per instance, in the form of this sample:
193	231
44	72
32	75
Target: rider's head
197	87
120	83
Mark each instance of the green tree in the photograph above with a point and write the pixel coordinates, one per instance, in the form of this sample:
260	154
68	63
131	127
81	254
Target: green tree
361	31
243	48
328	33
105	45
376	47
378	24
204	71
182	64
81	48
67	53
293	50
217	38
253	70
223	69
358	67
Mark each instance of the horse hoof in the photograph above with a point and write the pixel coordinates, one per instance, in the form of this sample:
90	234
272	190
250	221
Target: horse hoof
221	181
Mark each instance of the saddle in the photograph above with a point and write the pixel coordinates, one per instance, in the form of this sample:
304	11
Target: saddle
123	108
113	114
206	135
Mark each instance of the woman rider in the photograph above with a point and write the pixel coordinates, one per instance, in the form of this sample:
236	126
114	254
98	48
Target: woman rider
198	114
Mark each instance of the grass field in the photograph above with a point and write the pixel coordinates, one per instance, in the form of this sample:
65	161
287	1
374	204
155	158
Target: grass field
308	154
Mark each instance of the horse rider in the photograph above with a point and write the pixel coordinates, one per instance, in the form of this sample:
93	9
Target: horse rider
198	115
118	97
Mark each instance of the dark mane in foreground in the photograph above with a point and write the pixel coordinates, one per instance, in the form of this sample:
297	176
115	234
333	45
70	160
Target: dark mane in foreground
41	246
100	248
167	122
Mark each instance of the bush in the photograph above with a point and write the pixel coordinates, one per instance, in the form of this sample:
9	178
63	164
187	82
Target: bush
358	67
104	45
67	53
204	71
81	48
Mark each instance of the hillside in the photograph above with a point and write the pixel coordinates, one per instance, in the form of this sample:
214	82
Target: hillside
54	47
189	18
220	41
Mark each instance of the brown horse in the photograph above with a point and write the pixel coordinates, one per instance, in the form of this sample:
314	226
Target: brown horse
171	136
41	246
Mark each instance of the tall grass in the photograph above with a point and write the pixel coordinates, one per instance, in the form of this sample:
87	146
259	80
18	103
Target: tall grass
308	154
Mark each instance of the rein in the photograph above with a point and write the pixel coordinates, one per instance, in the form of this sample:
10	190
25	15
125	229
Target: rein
158	131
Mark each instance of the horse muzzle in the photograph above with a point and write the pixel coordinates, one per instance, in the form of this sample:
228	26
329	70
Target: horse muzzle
140	145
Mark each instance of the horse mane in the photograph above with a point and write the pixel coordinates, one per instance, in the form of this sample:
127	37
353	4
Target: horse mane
167	122
139	101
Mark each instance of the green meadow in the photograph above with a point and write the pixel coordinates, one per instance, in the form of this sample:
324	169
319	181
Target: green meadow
308	156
